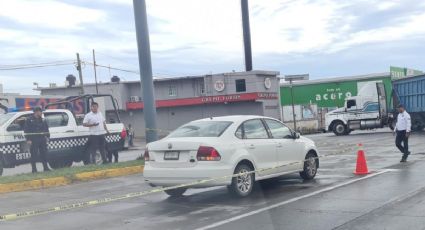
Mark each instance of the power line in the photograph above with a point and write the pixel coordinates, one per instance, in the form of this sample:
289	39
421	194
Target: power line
108	67
35	66
32	64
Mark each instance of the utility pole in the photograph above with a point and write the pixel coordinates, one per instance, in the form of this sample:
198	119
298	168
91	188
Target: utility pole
80	74
291	79
246	35
293	106
95	74
145	65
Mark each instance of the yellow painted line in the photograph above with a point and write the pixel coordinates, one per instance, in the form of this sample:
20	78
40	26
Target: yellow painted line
60	181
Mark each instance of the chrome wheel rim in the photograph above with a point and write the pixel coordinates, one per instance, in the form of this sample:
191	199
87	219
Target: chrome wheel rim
311	168
340	128
98	158
243	182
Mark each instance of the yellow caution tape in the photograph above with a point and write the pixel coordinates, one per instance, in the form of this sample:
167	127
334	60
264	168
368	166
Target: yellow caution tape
24	214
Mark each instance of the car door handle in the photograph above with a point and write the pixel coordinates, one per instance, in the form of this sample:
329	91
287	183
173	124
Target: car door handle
279	145
251	146
70	131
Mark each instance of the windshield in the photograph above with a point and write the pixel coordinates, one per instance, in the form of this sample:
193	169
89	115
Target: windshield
201	129
5	117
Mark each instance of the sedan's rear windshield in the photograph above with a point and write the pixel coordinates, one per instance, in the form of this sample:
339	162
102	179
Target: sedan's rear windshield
201	129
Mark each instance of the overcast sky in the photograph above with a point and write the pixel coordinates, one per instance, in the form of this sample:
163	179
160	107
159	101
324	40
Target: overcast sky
189	37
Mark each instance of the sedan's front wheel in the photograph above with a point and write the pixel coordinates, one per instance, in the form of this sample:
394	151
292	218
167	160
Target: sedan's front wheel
242	184
310	167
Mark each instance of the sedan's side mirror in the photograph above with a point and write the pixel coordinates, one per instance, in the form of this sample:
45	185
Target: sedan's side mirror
296	135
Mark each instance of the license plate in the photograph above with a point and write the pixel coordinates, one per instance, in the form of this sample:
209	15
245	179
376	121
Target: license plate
172	155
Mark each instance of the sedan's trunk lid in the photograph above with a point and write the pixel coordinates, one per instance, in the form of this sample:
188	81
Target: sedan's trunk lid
175	152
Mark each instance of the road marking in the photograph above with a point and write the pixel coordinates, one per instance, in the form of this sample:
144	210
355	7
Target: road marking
223	222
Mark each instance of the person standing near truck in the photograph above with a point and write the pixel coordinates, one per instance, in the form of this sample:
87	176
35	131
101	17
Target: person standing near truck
402	130
97	129
37	134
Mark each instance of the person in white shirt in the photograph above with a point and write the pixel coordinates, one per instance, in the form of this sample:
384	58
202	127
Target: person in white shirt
97	129
402	130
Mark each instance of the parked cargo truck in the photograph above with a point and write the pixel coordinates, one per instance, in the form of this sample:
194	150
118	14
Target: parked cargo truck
411	93
371	109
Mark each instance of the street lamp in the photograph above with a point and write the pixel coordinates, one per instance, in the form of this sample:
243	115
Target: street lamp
292	78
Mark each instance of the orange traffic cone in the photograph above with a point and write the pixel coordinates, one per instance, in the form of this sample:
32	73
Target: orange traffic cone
361	167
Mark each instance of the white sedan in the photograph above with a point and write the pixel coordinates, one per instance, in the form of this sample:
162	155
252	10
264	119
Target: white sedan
221	146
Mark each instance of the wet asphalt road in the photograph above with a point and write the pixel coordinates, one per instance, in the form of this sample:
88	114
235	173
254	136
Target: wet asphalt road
390	198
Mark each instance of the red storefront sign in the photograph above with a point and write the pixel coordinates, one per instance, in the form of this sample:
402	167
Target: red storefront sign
205	100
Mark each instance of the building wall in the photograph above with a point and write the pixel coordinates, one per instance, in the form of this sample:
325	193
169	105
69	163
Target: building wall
178	112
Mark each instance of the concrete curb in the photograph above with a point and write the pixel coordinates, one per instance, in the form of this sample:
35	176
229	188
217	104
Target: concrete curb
60	181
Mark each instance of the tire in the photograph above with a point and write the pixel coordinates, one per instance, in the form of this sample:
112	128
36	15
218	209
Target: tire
391	125
98	157
68	163
57	164
1	166
242	185
340	129
176	192
310	167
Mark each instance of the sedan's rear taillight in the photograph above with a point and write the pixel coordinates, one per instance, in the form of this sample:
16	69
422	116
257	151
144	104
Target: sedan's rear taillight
146	155
206	153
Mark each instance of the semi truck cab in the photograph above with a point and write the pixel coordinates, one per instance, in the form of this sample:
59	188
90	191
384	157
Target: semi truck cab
367	110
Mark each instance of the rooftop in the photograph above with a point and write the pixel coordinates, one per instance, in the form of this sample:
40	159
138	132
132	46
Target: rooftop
161	79
338	79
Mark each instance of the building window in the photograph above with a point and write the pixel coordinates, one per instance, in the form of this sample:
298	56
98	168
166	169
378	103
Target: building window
240	85
202	88
172	91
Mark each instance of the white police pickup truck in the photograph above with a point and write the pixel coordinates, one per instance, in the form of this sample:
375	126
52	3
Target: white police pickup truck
68	139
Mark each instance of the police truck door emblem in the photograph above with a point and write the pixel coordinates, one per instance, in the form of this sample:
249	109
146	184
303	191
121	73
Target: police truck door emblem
219	85
267	83
170	146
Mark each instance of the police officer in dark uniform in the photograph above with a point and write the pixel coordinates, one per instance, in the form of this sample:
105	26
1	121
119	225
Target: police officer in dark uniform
37	134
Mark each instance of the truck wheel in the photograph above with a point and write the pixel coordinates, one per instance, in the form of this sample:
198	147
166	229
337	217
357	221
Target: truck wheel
1	167
391	124
97	159
68	163
340	129
57	164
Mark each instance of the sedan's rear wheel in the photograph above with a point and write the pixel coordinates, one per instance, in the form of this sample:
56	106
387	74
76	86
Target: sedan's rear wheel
176	192
243	184
310	167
